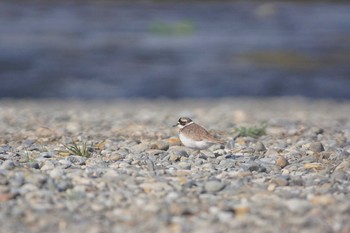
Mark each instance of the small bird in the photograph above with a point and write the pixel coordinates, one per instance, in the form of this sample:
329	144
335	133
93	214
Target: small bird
195	136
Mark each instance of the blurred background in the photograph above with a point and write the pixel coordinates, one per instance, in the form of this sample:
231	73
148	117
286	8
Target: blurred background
155	49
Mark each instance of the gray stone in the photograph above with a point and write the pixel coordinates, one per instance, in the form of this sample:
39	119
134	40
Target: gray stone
48	165
213	186
3	179
280	181
34	165
37	179
218	146
260	147
253	166
4	189
208	167
297	181
28	188
110	174
154	152
115	156
46	154
176	155
160	145
201	156
65	163
63	185
227	163
8	165
271	152
184	165
198	162
316	147
281	161
4	149
27	143
230	144
57	173
339	175
220	152
298	206
4	156
139	148
17	180
76	160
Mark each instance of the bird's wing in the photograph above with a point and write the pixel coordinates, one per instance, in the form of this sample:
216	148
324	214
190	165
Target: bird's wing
198	133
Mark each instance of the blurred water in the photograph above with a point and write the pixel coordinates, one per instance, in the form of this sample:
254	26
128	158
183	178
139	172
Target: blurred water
174	50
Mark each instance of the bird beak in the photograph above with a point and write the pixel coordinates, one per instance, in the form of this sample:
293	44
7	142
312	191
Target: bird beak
176	125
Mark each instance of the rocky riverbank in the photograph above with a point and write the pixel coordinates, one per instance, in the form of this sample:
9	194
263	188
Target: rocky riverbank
134	175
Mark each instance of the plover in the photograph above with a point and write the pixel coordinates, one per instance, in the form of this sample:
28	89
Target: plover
195	136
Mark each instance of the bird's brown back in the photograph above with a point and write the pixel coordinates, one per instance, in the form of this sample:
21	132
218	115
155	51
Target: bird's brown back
198	133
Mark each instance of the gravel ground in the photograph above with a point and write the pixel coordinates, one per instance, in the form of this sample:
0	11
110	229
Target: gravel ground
136	176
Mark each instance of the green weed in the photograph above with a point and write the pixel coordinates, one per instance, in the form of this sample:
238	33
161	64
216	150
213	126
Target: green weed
254	131
80	150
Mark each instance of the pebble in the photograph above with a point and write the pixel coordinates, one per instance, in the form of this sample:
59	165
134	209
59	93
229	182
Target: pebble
8	165
298	206
281	161
343	166
230	145
338	176
323	200
28	188
17	180
34	165
37	179
76	160
63	185
139	148
184	165
46	155
3	179
213	186
177	155
253	166
160	145
296	181
316	147
57	173
260	147
227	164
65	163
241	210
174	157
271	152
280	181
316	166
48	165
4	156
115	156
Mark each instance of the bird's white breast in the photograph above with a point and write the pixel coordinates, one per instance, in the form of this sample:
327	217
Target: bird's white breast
197	145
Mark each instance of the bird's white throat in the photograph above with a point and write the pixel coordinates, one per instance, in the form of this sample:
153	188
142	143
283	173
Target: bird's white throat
183	126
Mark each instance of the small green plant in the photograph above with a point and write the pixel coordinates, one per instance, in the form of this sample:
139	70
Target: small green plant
254	132
80	150
28	156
